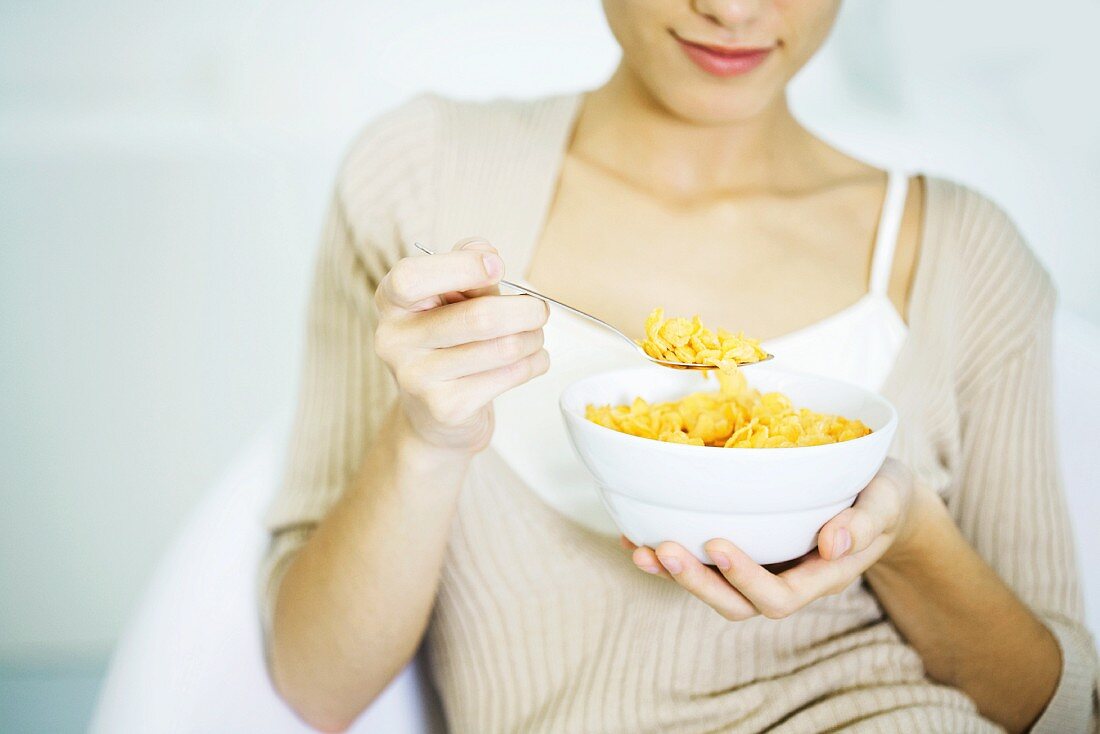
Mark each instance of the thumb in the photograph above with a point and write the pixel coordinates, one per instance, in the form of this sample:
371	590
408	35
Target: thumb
482	245
876	510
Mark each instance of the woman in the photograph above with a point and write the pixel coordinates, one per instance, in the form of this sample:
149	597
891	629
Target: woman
423	497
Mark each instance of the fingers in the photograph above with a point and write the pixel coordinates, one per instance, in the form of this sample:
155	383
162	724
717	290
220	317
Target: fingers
416	283
704	582
876	511
741	588
479	245
815	576
768	593
453	402
475	319
780	595
645	559
473	357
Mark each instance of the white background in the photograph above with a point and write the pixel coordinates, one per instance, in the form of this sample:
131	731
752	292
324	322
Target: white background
163	169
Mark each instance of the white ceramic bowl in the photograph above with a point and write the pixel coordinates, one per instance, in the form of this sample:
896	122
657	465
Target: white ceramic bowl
769	502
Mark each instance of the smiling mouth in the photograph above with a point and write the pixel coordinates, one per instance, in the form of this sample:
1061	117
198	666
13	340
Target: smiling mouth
723	61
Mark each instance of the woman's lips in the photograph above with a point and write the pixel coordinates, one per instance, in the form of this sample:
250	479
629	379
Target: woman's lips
721	61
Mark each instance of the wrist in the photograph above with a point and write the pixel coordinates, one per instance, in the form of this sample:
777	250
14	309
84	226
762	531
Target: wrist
413	450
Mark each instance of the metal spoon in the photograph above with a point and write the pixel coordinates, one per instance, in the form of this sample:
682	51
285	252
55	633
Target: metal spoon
604	324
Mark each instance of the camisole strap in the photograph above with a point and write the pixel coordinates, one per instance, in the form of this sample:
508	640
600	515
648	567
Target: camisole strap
886	238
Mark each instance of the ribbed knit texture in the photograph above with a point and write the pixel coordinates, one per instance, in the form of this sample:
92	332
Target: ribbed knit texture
541	625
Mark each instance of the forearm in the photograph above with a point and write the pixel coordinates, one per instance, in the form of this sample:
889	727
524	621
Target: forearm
354	602
969	628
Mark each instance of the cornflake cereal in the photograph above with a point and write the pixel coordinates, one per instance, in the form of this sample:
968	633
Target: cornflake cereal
735	415
688	341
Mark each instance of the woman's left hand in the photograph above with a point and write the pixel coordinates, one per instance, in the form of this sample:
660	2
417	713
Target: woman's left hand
880	523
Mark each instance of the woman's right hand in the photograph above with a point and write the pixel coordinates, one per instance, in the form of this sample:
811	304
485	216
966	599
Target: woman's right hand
454	343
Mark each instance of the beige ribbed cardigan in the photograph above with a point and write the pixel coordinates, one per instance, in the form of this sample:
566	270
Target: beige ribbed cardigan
586	643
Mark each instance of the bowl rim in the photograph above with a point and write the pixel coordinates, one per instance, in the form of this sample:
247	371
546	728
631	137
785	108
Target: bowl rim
887	429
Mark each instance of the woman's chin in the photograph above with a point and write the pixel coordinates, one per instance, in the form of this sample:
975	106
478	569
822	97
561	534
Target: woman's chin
717	107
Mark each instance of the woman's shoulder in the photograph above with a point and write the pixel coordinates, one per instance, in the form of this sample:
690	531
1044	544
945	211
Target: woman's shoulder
424	127
412	156
1001	292
978	229
987	243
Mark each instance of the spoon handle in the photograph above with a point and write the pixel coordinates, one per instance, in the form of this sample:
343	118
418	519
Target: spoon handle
548	299
567	307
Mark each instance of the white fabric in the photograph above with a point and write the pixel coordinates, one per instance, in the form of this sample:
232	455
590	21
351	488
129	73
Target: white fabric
190	660
858	344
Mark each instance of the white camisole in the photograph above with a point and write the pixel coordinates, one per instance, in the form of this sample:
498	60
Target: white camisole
858	344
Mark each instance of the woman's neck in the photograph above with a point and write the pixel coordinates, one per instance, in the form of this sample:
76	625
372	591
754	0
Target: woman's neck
624	129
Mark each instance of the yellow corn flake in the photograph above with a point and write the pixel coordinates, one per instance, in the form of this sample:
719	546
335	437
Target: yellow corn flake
688	341
733	416
680	437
